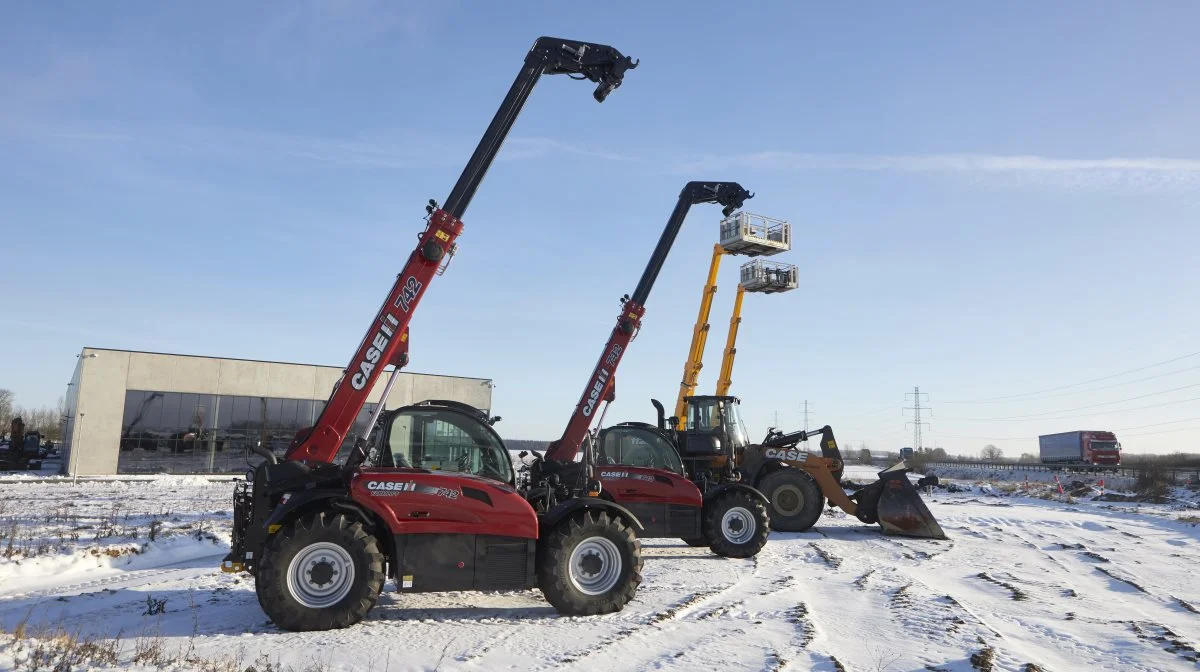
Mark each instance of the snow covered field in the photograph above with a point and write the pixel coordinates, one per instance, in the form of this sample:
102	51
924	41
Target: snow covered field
1022	584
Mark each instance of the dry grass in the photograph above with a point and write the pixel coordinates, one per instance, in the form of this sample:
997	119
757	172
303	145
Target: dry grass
57	649
1193	520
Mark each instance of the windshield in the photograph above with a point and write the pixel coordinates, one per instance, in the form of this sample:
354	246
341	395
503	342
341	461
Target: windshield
638	447
1105	445
446	440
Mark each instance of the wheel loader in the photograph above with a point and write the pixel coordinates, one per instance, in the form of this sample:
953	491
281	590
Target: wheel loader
714	447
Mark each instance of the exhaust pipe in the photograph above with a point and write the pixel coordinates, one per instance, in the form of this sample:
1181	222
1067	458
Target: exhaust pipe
259	449
662	414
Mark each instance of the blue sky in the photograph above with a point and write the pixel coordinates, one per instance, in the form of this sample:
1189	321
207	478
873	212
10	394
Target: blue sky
987	201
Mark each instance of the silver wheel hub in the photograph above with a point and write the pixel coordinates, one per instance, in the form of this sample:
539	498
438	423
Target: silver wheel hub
595	566
788	499
320	575
738	525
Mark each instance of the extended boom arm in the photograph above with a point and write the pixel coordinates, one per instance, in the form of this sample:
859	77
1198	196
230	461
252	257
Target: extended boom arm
695	360
735	321
598	63
599	387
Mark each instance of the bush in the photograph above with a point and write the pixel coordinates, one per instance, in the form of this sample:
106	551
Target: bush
1152	481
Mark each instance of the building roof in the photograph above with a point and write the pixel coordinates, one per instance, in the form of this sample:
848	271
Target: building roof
269	361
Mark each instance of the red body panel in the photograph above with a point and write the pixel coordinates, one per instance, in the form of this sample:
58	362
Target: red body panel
381	346
599	386
412	501
645	485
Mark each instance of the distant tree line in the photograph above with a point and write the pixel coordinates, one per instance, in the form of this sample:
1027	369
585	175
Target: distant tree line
46	420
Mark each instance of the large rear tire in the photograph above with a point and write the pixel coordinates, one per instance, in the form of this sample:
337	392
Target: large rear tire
589	564
796	500
321	572
736	525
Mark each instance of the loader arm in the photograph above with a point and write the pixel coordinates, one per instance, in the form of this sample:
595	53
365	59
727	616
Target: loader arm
598	63
695	358
735	320
599	385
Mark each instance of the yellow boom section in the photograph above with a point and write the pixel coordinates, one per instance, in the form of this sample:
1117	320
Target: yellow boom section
730	342
695	360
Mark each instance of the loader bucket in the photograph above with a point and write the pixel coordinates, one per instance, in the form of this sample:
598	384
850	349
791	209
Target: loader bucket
900	510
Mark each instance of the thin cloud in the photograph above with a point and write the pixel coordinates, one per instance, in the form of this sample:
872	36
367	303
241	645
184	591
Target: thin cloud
394	149
1120	173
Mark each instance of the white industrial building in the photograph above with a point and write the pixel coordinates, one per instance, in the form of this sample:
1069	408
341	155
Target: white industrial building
148	412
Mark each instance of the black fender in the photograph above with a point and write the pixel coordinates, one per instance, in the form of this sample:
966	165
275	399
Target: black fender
714	492
334	499
566	509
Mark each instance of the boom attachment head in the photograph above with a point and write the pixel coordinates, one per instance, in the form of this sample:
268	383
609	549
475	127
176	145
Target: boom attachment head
598	63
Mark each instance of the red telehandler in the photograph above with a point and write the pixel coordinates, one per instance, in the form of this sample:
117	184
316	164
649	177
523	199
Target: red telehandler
728	517
321	538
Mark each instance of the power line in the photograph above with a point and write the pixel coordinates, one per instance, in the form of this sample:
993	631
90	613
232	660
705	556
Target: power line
1166	431
1029	416
1085	382
1119	429
1087	415
1090	389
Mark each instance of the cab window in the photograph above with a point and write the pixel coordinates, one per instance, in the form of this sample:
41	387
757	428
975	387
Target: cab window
704	415
638	447
445	440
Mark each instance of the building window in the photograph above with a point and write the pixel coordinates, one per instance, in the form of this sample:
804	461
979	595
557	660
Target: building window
172	432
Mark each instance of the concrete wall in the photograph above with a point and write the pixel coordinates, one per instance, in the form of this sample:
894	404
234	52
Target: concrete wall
103	376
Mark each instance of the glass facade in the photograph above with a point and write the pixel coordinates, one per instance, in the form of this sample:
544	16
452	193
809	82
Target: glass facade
175	432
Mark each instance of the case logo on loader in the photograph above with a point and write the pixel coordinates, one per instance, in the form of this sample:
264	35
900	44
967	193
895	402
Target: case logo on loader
387	329
781	454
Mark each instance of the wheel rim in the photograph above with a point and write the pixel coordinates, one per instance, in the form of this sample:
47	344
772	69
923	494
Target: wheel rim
737	525
595	566
788	500
320	575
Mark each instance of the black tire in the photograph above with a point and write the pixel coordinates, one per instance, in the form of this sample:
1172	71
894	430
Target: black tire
795	498
696	541
610	540
319	536
736	540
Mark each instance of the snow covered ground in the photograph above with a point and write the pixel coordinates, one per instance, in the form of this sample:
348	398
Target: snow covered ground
1022	581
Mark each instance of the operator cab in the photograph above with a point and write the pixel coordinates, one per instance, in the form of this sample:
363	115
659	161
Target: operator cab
637	444
714	426
440	436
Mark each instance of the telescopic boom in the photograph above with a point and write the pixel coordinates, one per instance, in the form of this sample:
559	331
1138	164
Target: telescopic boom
598	63
731	195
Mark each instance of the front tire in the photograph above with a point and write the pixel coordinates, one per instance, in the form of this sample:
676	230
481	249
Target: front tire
321	572
795	499
589	564
736	525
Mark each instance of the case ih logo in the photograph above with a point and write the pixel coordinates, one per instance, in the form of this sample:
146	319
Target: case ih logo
626	474
781	454
391	486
